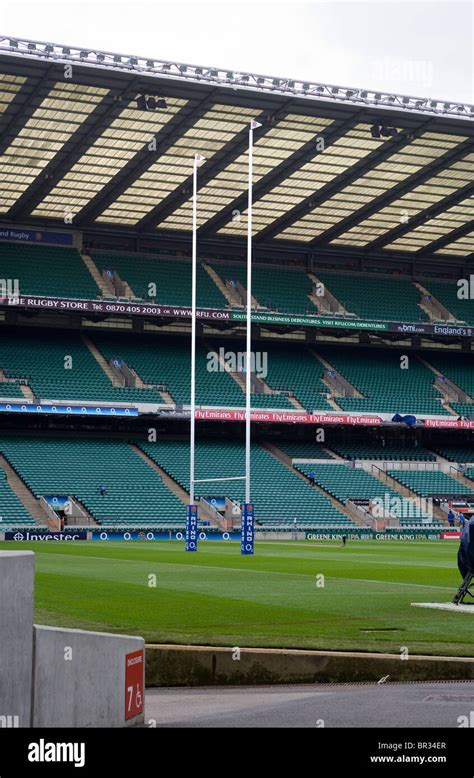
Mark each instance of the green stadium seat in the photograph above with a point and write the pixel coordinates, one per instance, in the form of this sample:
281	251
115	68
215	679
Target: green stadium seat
77	467
46	270
375	296
170	277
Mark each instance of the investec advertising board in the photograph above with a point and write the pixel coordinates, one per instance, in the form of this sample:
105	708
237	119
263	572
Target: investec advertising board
26	536
214	314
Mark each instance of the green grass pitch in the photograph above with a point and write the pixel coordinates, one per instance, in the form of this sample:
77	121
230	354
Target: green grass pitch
218	597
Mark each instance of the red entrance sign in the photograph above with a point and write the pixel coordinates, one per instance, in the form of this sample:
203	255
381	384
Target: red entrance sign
450	535
134	684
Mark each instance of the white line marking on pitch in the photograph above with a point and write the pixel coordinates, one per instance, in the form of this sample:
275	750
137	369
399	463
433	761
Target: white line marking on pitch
261	572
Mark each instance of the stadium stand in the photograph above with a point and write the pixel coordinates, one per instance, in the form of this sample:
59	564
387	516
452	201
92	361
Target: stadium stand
10	389
377	375
447	293
136	495
46	270
171	277
292	367
428	483
278	289
456	453
297	450
457	367
334	217
466	410
167	361
282	499
41	357
38	356
12	512
377	451
376	296
345	484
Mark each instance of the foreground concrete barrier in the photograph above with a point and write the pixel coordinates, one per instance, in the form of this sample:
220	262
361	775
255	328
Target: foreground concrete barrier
62	677
170	665
80	679
16	637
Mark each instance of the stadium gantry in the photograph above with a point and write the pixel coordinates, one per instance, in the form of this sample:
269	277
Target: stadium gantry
105	141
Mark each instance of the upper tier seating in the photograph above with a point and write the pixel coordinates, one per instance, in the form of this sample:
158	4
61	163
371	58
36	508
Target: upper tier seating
280	497
375	296
172	278
386	387
41	356
275	288
447	294
43	270
77	467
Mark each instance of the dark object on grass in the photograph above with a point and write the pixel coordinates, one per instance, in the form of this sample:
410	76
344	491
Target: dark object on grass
466	562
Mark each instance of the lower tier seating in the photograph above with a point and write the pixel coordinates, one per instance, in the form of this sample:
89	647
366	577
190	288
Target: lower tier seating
78	467
12	511
346	483
428	483
281	498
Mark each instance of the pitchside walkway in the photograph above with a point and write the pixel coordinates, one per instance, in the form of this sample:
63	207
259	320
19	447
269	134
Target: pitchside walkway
442	705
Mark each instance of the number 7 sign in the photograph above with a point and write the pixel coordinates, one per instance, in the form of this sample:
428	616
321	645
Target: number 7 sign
134	684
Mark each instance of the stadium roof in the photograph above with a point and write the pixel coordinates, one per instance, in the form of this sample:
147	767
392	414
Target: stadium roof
76	148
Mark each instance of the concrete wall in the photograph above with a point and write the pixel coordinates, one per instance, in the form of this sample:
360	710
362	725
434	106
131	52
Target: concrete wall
58	677
169	665
16	636
79	678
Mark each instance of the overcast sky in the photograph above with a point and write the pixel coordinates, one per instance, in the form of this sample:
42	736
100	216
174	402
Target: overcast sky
423	49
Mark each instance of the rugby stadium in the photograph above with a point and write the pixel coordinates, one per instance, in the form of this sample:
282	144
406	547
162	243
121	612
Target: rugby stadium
361	464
